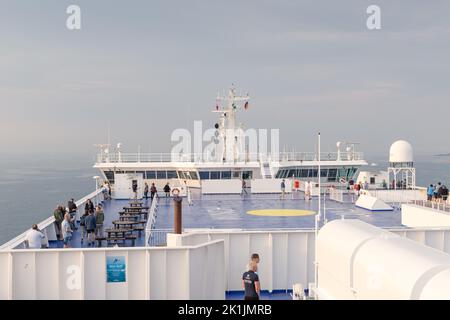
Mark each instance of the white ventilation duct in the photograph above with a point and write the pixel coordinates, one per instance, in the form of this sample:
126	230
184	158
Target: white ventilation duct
359	261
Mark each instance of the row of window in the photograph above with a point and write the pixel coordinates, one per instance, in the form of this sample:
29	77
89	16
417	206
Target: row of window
223	175
330	174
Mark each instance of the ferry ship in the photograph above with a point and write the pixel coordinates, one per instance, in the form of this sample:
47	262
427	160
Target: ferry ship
323	228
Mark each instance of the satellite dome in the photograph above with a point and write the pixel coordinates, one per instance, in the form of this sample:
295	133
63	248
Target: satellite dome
401	151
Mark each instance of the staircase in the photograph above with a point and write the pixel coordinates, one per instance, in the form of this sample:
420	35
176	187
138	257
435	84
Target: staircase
265	170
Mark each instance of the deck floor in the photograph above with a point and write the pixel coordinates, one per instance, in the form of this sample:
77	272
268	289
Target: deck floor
230	212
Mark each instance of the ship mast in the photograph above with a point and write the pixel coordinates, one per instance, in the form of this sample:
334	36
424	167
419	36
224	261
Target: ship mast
228	131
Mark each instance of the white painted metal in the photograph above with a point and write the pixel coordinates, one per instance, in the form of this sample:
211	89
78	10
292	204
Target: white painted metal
366	201
123	185
270	185
81	273
414	215
401	151
151	220
360	261
231	186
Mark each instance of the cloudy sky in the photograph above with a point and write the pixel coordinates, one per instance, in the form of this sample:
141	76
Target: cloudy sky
145	68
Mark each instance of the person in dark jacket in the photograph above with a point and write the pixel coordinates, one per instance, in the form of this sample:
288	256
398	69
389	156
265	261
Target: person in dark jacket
167	190
89	207
153	191
146	191
90	225
72	211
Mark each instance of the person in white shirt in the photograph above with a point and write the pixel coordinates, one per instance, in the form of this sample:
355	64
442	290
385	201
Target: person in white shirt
66	230
34	238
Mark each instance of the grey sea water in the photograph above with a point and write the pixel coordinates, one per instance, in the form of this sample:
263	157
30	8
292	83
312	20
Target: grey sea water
32	185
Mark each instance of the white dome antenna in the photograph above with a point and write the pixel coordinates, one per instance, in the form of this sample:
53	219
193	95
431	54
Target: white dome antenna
401	165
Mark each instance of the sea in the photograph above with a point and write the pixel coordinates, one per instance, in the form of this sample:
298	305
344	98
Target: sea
31	186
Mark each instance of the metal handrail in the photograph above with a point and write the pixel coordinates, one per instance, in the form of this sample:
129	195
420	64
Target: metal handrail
439	206
151	220
120	157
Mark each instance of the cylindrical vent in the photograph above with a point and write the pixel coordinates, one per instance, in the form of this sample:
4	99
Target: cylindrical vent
177	216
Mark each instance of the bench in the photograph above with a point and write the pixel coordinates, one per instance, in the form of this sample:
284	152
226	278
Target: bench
139	229
131	237
99	240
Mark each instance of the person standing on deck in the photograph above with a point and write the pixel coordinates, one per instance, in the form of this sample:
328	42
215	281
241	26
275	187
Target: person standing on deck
283	190
90	228
244	186
99	219
83	225
66	231
430	192
34	238
59	217
308	189
146	191
167	190
89	206
72	207
250	282
153	191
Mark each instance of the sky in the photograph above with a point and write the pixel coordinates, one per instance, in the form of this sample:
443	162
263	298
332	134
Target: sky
145	68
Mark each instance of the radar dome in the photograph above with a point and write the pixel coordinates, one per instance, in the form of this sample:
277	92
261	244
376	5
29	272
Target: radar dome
401	151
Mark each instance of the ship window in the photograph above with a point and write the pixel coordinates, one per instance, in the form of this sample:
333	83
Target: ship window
236	174
313	173
303	173
215	175
323	173
181	175
150	174
172	174
193	175
204	175
110	176
292	172
141	173
161	174
332	175
372	180
247	175
226	175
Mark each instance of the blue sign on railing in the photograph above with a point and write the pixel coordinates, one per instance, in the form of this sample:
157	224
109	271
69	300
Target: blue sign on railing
116	269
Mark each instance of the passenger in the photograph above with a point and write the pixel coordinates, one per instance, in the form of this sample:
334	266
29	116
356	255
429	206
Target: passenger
384	184
34	238
72	211
366	185
444	193
357	188
99	219
83	226
308	190
59	217
167	190
89	207
153	191
66	231
250	282
436	192
430	192
146	191
90	225
244	186
283	190
135	187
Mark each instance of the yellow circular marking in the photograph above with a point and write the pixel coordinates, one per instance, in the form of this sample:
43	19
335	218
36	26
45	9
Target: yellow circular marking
281	213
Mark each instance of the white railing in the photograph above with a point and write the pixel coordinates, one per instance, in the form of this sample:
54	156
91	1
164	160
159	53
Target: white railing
47	225
440	206
249	157
151	221
398	196
336	194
